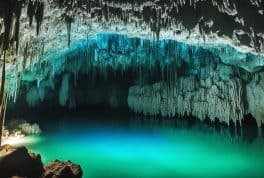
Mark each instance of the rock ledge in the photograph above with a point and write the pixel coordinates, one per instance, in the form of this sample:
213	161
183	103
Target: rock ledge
19	162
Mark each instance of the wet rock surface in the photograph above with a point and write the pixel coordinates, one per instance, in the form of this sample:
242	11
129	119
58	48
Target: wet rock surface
19	162
62	170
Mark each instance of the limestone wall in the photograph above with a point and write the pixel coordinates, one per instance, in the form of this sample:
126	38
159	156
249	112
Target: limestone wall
214	93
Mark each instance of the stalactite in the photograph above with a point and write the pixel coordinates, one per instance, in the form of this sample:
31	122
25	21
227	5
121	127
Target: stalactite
39	14
11	12
68	21
17	25
185	96
8	20
3	79
2	94
31	11
25	56
191	78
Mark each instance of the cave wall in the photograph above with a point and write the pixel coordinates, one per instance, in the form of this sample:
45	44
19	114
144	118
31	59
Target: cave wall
151	77
216	93
201	58
66	92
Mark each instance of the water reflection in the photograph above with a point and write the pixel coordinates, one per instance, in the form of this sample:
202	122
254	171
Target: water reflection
135	146
247	133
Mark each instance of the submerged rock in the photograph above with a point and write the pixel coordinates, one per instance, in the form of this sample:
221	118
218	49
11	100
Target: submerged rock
18	162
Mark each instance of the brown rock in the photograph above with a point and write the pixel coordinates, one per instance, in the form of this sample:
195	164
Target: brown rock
18	161
58	169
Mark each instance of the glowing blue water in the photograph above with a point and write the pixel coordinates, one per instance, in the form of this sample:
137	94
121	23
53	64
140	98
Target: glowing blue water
136	149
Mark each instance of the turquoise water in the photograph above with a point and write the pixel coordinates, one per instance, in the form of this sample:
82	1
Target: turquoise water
148	148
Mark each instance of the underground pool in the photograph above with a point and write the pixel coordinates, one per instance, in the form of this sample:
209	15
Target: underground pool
132	146
131	88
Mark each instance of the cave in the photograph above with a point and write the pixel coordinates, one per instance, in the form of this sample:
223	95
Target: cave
131	88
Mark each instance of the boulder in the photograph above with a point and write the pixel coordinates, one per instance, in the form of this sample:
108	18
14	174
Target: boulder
58	169
18	161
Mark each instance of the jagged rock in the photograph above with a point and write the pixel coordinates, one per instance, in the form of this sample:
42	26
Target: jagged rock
19	162
67	169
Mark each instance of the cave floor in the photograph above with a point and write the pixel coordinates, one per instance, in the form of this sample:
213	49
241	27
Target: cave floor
113	146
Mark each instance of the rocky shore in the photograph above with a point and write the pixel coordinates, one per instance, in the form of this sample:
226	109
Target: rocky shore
18	162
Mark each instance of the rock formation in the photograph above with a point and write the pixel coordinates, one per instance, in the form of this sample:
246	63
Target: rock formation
47	44
15	127
189	79
19	162
62	170
255	97
213	94
183	99
226	20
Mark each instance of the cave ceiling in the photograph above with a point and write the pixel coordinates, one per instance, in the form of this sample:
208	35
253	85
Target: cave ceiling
36	29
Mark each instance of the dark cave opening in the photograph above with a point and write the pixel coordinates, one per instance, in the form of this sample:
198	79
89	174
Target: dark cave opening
105	90
95	88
